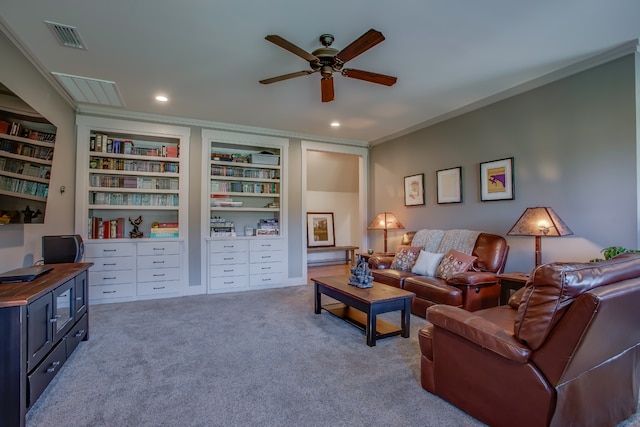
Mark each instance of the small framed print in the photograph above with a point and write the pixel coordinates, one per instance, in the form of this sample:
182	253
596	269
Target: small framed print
496	180
320	229
449	185
414	190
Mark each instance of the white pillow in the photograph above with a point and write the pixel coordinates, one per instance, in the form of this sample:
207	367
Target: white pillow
427	263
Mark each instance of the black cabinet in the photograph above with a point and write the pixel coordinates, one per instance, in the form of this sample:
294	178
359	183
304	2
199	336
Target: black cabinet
43	322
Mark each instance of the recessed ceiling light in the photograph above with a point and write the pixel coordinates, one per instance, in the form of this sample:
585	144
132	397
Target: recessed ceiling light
162	98
335	124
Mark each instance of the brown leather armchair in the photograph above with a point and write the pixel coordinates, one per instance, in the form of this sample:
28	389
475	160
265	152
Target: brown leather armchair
564	351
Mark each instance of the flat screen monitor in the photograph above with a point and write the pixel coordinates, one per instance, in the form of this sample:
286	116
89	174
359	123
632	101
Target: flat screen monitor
60	249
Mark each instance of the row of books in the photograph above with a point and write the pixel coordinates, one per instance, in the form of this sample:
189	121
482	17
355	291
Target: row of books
165	230
106	229
241	172
268	227
133	165
18	129
224	202
245	187
21	167
24	149
143	183
220	227
132	199
101	142
31	188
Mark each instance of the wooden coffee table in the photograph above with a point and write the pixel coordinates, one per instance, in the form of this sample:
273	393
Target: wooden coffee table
360	307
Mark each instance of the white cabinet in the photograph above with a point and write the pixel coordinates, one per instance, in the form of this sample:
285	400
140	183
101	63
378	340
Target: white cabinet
132	208
244	210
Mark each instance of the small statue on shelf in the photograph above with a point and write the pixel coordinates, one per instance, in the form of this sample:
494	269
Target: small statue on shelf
361	274
29	215
136	233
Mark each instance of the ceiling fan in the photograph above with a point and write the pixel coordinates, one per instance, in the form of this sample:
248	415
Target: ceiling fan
327	60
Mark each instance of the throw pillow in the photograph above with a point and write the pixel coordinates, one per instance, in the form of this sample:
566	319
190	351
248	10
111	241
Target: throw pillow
405	258
453	262
427	263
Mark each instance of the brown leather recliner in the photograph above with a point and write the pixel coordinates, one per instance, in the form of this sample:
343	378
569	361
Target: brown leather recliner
471	290
564	351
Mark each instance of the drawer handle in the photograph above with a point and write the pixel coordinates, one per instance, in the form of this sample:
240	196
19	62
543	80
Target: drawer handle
79	333
159	287
266	256
109	250
266	246
158	262
112	263
266	280
108	278
54	319
158	275
158	249
78	298
266	268
108	292
53	367
228	246
227	271
228	283
227	259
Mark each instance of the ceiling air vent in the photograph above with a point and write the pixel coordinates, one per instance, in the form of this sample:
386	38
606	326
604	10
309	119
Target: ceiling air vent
66	35
91	91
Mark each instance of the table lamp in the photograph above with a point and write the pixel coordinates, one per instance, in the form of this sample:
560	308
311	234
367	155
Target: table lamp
385	221
538	222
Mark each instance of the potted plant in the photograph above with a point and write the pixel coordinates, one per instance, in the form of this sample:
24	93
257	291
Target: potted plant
612	251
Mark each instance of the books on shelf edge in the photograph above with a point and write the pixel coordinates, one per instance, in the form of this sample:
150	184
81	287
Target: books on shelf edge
157	230
167	225
164	235
223	234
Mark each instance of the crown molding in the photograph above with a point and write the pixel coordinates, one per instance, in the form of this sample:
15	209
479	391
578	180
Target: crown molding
619	51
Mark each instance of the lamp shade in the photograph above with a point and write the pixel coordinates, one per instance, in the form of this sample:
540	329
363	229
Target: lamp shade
539	221
385	221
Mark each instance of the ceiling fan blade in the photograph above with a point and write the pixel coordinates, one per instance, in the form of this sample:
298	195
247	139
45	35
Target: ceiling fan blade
368	76
326	84
285	44
362	44
286	77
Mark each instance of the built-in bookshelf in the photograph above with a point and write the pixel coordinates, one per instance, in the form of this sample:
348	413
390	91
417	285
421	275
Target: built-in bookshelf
27	142
243	210
132	207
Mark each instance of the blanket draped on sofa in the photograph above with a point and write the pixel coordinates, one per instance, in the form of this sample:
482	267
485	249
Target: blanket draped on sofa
441	241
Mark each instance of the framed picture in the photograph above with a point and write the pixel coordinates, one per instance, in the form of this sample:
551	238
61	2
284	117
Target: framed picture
414	190
496	180
449	185
320	230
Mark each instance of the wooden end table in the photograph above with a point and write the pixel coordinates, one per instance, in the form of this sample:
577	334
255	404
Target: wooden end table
360	307
510	282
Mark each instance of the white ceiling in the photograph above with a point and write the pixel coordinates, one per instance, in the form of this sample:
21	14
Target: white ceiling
208	56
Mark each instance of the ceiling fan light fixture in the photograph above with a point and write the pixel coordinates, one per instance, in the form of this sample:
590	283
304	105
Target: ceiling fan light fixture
335	124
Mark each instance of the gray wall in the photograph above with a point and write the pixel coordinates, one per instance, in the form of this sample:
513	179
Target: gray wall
574	144
20	244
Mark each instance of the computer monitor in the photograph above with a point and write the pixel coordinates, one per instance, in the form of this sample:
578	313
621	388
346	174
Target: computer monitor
61	249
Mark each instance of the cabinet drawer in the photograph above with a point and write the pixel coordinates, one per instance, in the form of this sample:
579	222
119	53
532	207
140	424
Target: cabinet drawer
266	279
77	334
227	258
99	250
158	288
266	245
111	263
44	372
228	246
112	277
160	261
158	275
229	270
233	282
270	256
158	248
266	267
111	291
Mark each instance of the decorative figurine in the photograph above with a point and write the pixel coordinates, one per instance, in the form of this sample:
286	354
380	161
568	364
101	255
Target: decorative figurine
29	215
136	233
361	274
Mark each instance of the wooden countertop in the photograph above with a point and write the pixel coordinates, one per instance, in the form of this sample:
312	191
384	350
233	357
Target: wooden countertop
22	293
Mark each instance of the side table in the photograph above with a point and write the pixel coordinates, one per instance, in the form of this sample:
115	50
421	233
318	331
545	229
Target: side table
510	282
365	255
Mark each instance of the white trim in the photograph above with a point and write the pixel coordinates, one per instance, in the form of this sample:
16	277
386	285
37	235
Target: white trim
363	189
